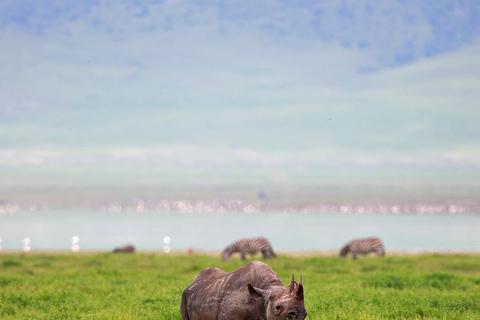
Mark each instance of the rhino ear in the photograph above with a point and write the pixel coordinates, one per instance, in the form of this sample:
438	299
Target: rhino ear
299	293
293	284
256	293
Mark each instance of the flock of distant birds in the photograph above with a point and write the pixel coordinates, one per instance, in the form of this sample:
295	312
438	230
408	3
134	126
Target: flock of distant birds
252	246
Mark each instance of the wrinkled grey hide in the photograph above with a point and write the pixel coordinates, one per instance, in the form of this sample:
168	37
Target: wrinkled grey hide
252	292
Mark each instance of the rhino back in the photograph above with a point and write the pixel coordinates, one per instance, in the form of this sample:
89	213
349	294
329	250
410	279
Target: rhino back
255	272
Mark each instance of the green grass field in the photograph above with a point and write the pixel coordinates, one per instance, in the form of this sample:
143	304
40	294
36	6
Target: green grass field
149	286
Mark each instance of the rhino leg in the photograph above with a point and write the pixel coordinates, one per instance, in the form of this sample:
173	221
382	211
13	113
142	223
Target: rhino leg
237	307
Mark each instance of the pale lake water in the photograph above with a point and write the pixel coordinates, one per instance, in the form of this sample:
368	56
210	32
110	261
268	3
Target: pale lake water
97	230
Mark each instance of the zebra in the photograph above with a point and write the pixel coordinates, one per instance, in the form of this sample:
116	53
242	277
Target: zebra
363	246
250	246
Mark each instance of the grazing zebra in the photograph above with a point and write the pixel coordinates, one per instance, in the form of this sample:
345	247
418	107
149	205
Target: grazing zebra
363	246
250	246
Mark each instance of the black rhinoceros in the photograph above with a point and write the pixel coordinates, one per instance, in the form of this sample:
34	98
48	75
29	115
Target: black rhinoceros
252	292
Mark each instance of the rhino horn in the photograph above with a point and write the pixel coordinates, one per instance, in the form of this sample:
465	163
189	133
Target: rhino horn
293	284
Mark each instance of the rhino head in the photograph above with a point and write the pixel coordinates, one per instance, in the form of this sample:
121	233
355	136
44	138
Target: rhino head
279	302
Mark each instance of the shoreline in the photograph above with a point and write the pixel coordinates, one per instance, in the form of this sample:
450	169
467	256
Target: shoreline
295	253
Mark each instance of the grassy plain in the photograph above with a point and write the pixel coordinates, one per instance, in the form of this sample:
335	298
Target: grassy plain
149	286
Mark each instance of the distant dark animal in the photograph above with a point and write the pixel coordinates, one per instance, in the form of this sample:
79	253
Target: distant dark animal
363	246
252	292
250	246
125	249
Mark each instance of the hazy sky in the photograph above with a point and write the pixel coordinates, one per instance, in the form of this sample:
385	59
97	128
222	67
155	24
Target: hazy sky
235	84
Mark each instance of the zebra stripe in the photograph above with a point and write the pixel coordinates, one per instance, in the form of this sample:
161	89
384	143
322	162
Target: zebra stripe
363	246
249	246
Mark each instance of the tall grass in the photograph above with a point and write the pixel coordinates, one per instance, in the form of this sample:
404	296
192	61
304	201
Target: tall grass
149	286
